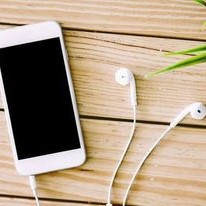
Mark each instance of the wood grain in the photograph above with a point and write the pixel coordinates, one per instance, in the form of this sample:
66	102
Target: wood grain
95	57
173	175
25	202
182	18
175	172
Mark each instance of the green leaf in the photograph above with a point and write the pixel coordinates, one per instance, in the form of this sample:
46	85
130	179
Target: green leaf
203	2
201	48
185	63
203	25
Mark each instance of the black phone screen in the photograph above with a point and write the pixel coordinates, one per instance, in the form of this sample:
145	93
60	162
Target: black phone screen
38	98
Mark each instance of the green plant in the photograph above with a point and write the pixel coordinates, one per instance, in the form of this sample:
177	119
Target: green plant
199	55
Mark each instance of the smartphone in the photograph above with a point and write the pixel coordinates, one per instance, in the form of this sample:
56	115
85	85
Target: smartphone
39	100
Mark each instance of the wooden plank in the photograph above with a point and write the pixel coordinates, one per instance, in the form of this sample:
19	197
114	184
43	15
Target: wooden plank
5	201
171	18
173	175
95	57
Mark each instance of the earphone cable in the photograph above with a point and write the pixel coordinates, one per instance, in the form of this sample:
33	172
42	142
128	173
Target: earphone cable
143	161
122	157
32	181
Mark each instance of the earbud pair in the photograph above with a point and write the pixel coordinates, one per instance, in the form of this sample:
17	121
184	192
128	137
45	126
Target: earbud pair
197	111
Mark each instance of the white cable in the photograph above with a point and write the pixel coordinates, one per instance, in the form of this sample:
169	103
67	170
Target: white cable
32	181
122	157
142	162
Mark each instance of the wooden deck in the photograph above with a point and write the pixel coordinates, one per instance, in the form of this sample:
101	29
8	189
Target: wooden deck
100	37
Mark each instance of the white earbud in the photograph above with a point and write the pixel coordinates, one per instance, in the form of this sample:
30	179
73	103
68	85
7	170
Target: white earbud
197	110
125	77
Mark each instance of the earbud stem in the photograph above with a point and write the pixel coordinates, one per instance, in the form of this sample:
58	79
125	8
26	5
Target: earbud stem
133	92
180	117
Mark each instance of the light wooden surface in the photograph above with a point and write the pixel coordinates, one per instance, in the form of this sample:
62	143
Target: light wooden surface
100	37
173	18
164	176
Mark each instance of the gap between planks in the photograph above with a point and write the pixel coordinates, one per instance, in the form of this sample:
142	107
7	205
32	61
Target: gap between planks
9	200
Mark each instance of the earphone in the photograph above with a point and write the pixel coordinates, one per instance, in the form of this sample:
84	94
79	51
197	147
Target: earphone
32	182
125	77
197	110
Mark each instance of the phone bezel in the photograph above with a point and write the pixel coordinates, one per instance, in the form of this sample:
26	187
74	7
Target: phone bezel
55	161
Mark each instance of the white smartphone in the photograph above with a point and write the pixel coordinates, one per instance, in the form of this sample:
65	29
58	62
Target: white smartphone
38	95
